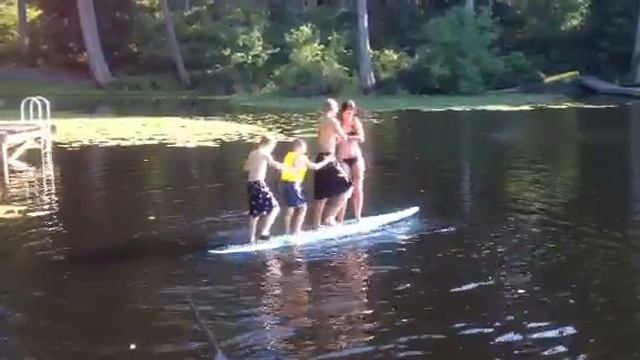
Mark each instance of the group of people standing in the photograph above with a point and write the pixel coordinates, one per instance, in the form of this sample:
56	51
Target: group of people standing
339	175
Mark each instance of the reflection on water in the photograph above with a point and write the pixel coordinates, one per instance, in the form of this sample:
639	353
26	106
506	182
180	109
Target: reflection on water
543	261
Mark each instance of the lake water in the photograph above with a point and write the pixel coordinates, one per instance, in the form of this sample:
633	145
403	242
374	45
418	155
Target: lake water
544	260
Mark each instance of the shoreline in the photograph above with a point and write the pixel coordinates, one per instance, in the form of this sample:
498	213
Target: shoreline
13	88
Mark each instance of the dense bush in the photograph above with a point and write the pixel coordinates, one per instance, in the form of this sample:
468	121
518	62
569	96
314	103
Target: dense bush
517	70
314	66
388	64
459	56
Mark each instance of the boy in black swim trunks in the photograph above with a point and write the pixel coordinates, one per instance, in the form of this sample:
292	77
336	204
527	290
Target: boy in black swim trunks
297	162
262	203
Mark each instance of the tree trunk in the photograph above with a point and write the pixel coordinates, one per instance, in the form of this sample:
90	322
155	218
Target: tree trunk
470	6
174	47
367	78
635	59
23	28
88	23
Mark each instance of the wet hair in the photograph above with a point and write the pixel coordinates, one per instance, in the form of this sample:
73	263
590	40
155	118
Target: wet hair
347	105
330	104
297	143
266	140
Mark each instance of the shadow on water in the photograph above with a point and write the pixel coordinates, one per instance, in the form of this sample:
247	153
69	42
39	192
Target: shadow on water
544	260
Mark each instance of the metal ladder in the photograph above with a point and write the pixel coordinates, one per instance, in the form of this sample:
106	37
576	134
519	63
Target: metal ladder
38	109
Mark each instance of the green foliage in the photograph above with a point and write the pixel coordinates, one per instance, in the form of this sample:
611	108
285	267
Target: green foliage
227	50
459	56
419	46
314	66
8	31
388	63
150	83
609	37
9	48
8	22
149	41
245	57
518	70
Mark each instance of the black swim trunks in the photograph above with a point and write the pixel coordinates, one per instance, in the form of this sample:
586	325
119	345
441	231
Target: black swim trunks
261	200
331	180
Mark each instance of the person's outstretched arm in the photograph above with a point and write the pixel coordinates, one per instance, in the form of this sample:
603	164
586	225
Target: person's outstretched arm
273	163
319	165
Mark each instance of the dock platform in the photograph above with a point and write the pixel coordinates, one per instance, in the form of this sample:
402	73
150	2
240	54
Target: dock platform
32	131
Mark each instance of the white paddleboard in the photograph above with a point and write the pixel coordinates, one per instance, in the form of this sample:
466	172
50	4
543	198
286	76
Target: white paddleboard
349	228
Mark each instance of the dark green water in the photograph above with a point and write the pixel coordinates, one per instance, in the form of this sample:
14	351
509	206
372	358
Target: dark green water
544	258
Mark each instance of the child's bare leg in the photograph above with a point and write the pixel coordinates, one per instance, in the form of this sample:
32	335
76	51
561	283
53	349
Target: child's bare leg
317	212
253	225
287	219
302	213
268	222
342	212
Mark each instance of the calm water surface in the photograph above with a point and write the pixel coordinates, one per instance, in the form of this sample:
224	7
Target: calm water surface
543	262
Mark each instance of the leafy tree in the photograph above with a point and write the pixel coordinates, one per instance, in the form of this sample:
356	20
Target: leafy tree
459	55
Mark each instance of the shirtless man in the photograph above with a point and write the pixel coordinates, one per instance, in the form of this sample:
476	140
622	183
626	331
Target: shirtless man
331	182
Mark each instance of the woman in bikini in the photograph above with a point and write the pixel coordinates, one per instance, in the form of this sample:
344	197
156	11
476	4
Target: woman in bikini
350	154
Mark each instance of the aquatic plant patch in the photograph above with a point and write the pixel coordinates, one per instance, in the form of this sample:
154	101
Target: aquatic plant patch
170	131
